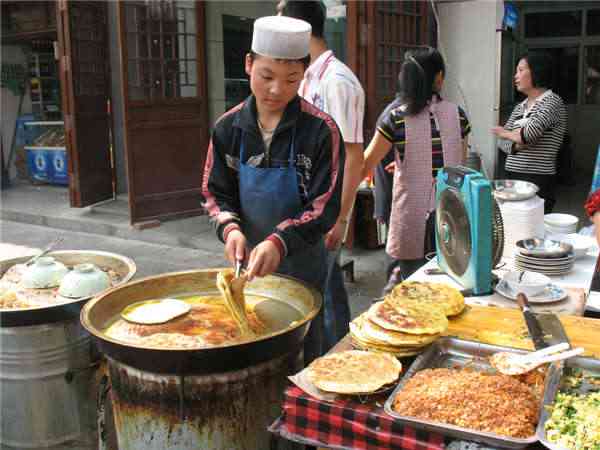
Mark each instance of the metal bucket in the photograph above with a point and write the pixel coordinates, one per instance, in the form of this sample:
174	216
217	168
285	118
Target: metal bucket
224	411
45	378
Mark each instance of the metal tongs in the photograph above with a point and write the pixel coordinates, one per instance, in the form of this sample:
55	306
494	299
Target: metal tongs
238	268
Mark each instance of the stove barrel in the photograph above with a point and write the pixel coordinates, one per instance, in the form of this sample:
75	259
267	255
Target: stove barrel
229	410
220	397
45	376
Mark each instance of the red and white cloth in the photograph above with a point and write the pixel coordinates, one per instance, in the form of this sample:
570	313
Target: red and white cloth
332	87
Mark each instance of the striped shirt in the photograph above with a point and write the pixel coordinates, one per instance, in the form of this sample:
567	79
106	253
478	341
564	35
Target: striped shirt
543	128
391	124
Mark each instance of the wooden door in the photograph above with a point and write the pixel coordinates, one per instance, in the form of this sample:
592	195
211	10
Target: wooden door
85	84
166	120
379	34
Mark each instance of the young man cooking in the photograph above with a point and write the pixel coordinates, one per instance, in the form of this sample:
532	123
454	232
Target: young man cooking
331	86
273	176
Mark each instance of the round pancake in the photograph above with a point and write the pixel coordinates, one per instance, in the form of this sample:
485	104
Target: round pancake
210	324
397	353
413	318
370	331
151	312
443	295
354	371
396	338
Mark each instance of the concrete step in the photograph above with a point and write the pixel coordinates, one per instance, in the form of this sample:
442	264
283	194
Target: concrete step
49	206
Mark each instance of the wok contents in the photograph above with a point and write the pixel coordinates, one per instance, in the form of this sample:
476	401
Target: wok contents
208	323
473	399
155	311
411	317
354	372
574	422
232	289
14	295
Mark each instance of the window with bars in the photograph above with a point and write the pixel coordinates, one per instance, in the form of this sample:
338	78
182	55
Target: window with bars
162	54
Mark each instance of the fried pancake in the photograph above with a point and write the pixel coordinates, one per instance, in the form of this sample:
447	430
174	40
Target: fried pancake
436	294
413	319
394	338
210	325
152	312
395	352
354	372
232	289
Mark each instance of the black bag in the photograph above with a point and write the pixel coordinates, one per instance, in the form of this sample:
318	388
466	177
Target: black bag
429	246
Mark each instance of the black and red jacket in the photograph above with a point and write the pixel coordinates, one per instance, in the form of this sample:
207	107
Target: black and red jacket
320	157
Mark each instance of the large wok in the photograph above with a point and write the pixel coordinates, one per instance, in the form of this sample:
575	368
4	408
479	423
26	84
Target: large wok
280	291
124	266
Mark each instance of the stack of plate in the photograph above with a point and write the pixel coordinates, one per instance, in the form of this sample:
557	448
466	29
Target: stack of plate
548	257
560	223
522	220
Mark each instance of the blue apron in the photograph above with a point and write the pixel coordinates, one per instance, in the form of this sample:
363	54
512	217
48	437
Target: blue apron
268	196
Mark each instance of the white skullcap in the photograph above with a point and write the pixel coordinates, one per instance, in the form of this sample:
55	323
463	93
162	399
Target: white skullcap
281	37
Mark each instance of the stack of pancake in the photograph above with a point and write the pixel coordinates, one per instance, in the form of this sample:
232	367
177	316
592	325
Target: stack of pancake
409	318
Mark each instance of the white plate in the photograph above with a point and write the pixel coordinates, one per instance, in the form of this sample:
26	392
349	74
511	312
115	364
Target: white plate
568	257
551	294
550	273
550	263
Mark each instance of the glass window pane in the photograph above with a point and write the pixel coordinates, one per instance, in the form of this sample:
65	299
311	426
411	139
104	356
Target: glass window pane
593	22
565	72
553	24
592	75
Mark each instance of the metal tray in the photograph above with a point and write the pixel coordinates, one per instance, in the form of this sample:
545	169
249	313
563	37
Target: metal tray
553	385
447	353
39	315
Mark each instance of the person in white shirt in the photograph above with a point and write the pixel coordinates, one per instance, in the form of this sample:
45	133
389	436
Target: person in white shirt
331	86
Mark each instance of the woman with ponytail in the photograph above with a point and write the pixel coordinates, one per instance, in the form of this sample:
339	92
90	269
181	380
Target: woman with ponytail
427	134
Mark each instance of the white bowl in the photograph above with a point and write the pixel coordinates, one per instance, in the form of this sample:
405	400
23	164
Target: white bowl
581	244
84	280
44	273
557	220
532	283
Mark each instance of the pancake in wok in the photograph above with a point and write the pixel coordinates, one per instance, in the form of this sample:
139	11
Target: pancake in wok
208	324
354	372
232	289
436	294
374	332
413	319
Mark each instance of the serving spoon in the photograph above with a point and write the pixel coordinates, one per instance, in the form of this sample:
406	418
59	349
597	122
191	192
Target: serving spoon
514	364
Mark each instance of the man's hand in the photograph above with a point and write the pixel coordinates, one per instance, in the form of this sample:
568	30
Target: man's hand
235	246
333	239
264	260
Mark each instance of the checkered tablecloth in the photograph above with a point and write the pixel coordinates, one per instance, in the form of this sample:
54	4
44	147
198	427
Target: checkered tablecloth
347	425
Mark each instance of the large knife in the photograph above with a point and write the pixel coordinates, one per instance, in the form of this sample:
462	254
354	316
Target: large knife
534	327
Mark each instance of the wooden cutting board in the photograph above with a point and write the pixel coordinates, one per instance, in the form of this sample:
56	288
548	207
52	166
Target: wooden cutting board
504	326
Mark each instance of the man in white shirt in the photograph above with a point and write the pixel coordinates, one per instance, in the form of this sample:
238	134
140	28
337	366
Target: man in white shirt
331	86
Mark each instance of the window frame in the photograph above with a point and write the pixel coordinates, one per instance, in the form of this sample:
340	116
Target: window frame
581	42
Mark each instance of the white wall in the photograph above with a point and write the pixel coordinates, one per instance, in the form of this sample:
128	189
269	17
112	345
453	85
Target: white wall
214	45
12	54
468	39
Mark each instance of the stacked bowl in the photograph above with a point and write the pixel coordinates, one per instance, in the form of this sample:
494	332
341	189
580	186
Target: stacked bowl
544	256
560	223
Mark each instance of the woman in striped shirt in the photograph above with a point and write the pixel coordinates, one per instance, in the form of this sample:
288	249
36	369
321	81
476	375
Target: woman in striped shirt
535	129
